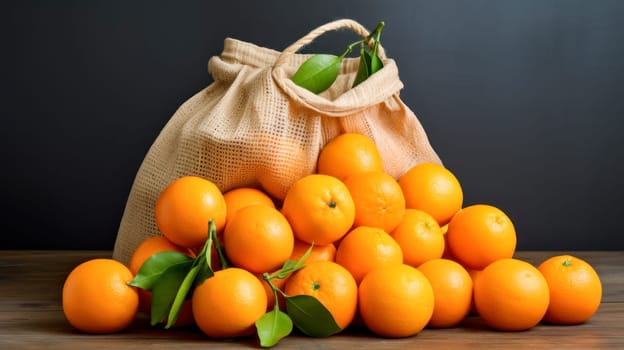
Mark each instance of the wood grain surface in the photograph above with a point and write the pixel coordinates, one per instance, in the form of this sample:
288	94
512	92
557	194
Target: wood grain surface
31	316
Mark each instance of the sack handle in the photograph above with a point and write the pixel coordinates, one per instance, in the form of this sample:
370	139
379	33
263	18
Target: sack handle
331	26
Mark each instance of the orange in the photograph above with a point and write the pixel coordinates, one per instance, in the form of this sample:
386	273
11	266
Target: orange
474	274
511	295
349	154
319	253
395	301
447	254
378	199
286	162
434	189
185	207
146	249
241	197
365	248
325	252
229	303
258	239
419	236
329	283
97	298
452	291
481	234
319	208
149	247
575	289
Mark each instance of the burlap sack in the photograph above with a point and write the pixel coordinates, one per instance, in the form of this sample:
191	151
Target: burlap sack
254	127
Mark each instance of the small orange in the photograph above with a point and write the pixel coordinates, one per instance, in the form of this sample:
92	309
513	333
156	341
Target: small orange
378	199
434	189
511	295
185	207
348	154
365	248
319	208
149	247
452	292
241	197
319	253
287	160
575	289
474	274
97	297
144	251
419	236
258	239
325	252
481	234
229	303
395	301
447	254
329	283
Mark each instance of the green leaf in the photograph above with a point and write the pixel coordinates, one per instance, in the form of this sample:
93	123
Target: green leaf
318	72
310	316
375	61
182	293
154	267
204	272
165	290
273	326
363	68
291	266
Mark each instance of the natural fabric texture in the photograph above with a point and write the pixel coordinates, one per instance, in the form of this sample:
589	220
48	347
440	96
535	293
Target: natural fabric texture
254	127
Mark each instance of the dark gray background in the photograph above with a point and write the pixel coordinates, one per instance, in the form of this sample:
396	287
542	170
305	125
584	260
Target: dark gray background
523	101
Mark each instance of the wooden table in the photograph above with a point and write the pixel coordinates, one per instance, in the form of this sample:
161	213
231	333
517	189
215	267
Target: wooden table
31	316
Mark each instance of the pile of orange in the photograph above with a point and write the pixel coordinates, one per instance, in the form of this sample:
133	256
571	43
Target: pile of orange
397	255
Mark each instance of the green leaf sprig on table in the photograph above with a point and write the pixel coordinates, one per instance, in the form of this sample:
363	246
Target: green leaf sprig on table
320	71
304	311
171	277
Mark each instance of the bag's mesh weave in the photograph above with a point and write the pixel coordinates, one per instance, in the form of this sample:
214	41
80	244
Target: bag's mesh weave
254	127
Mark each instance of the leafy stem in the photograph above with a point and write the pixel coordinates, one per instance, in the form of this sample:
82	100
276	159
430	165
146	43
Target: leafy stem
172	276
304	311
320	71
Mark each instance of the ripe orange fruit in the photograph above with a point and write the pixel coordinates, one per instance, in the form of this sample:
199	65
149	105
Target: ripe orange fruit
149	247
229	303
146	249
481	234
474	274
325	252
329	283
419	236
285	163
395	301
365	248
319	208
349	154
511	295
378	199
434	189
319	253
258	239
452	291
575	289
185	207
97	298
241	197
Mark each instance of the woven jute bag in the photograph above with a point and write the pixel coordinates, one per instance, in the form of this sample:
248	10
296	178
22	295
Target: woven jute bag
252	126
